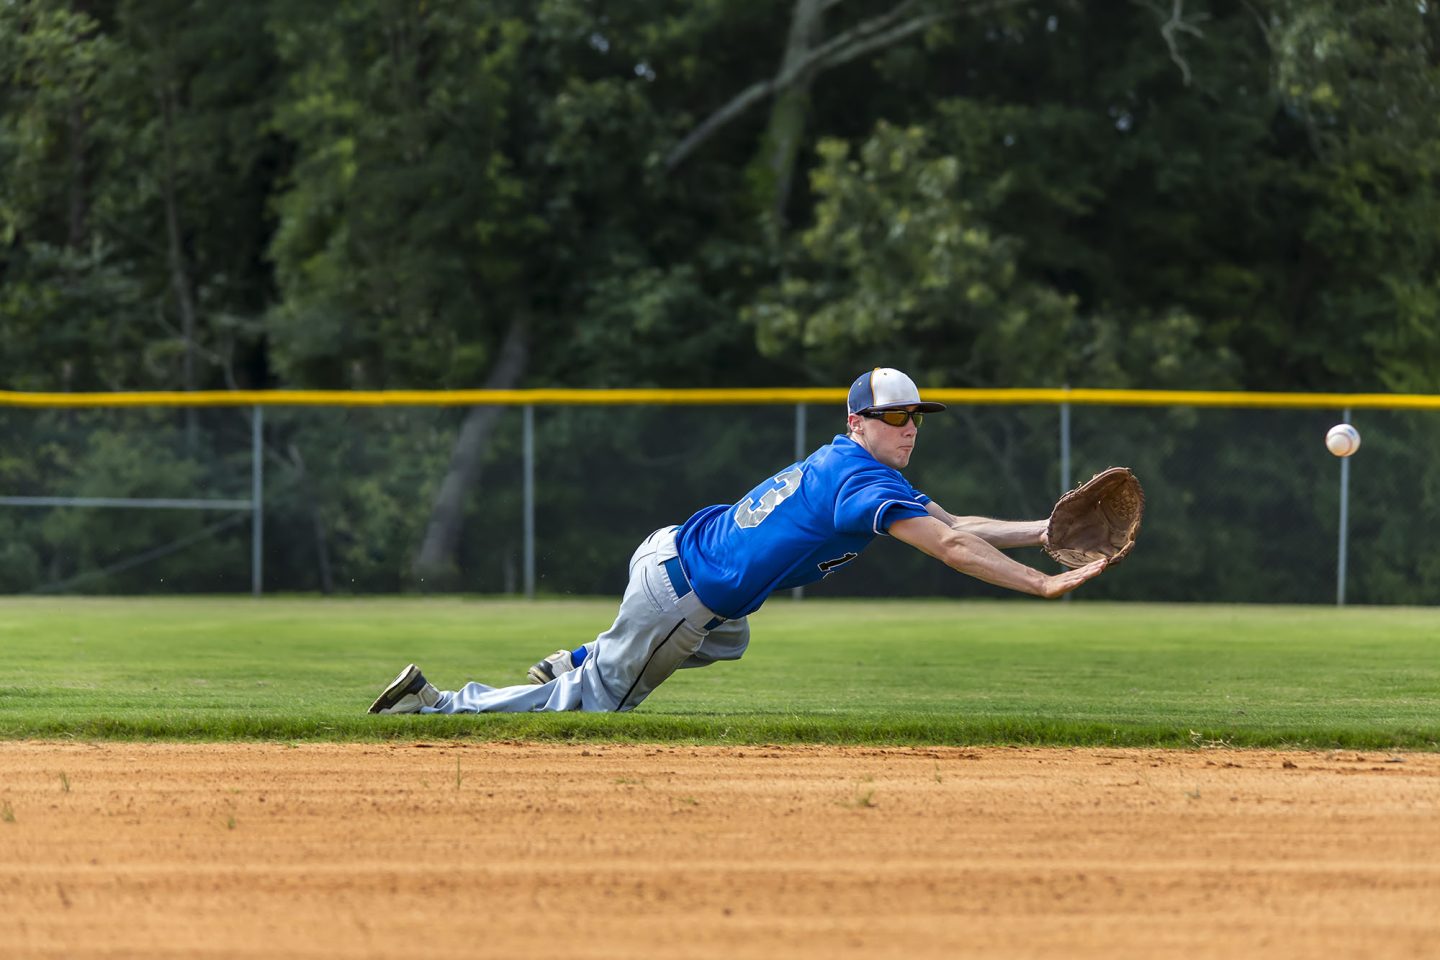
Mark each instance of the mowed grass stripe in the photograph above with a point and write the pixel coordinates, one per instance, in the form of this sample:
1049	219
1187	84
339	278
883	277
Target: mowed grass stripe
818	671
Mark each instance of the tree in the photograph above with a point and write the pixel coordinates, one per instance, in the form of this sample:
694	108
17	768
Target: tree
153	115
899	264
60	279
1220	207
1359	87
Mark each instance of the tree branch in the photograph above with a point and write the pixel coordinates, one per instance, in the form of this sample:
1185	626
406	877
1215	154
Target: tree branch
872	34
801	68
1177	24
862	47
743	101
855	34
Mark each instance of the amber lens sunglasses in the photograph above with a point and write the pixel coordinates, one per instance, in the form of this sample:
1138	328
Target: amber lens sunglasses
897	418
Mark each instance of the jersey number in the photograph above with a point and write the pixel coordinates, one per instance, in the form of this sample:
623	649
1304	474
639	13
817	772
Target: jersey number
751	514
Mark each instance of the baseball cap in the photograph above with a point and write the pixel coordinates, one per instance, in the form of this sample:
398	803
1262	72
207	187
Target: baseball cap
886	388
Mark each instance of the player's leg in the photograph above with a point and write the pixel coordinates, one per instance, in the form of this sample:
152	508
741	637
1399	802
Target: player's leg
648	641
410	692
652	636
563	661
726	642
639	624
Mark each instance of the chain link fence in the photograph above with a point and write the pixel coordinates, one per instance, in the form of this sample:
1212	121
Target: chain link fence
1243	505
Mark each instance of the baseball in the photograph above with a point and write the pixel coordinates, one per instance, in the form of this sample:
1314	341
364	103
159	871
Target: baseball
1342	440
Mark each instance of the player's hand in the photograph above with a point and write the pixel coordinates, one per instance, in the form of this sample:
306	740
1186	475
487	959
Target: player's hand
1062	583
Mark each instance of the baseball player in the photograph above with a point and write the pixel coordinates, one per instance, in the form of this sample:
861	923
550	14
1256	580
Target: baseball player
692	587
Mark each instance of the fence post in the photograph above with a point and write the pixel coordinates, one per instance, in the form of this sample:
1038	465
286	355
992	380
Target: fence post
257	500
798	593
1343	549
529	498
1065	457
1065	446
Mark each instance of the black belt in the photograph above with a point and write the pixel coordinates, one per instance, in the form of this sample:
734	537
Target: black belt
681	583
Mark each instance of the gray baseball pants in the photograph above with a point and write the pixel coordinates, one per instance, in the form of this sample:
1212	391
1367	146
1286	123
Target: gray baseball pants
661	627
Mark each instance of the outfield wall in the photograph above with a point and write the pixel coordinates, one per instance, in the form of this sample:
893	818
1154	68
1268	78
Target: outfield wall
1244	502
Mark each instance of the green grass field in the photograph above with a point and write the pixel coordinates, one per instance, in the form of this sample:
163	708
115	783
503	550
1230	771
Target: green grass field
886	672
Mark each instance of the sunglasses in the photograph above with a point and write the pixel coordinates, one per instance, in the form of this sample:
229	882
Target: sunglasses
896	418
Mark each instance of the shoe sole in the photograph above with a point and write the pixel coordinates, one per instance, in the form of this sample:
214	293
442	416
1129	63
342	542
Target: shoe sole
410	681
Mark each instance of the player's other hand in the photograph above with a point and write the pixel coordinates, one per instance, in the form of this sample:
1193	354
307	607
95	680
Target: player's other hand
1062	583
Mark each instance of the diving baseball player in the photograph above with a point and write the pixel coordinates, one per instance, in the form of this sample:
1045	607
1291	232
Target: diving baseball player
693	586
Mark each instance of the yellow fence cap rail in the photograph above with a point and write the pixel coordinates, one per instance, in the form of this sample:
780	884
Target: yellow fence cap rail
421	398
758	396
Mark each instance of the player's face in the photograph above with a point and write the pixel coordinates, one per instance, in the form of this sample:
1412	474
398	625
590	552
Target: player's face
890	445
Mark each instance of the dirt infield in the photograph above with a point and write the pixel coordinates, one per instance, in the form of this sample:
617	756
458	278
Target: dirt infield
522	850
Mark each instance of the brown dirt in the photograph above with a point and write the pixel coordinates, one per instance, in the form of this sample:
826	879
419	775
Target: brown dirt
523	850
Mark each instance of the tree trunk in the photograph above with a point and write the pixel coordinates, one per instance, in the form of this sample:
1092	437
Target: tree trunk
317	522
789	111
79	206
179	277
437	564
78	234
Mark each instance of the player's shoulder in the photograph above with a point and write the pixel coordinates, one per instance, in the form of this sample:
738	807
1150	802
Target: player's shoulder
843	460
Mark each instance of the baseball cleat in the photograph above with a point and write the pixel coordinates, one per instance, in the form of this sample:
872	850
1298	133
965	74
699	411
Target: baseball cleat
551	667
407	693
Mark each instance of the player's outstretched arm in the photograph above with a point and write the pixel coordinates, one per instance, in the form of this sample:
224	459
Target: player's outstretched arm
972	555
1005	534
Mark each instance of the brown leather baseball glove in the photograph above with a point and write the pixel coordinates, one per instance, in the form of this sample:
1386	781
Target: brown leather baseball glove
1097	520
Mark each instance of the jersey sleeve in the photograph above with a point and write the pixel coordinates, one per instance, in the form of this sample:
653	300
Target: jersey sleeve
870	500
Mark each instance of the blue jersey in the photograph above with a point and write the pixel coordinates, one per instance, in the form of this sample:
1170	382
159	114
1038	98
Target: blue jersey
795	528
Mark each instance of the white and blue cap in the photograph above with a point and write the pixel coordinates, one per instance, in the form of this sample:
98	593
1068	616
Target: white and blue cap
886	388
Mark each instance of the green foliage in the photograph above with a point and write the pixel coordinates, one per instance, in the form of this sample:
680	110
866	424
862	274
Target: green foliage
349	481
1228	230
899	264
51	59
71	319
1040	194
151	115
403	215
1392	558
453	177
1363	81
19	558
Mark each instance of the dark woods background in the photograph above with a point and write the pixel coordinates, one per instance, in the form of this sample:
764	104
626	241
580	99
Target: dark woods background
459	194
